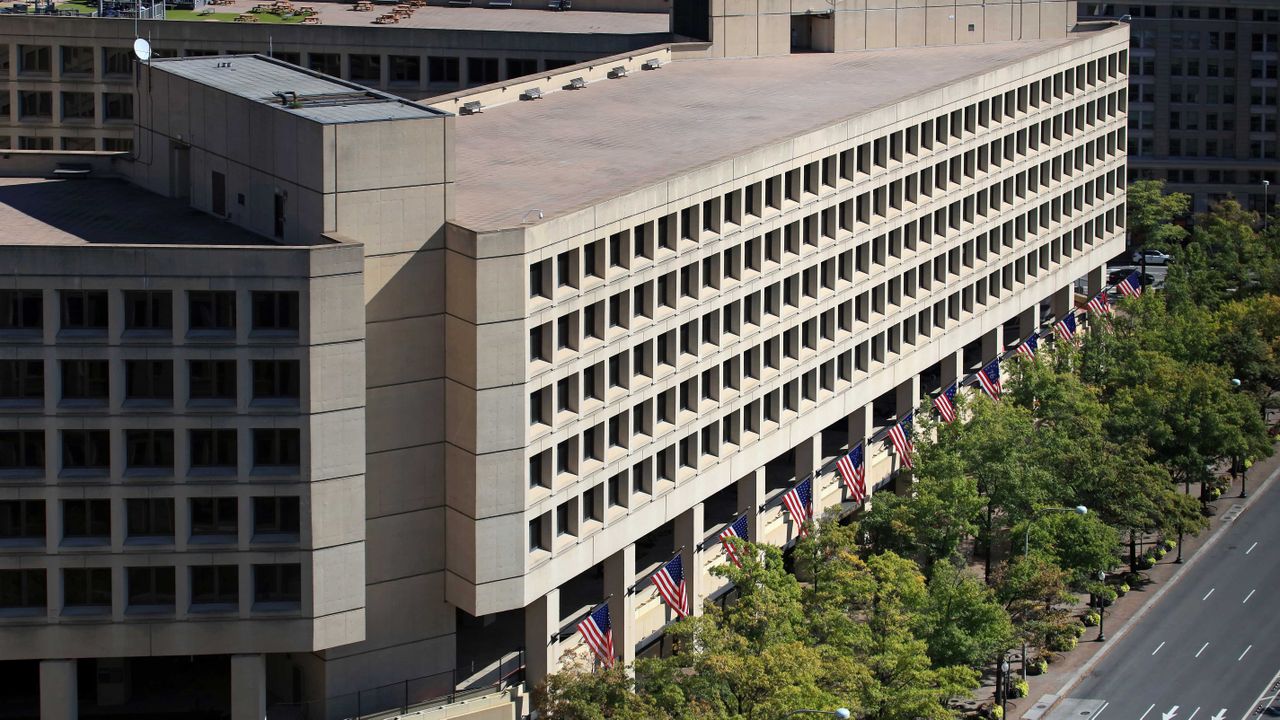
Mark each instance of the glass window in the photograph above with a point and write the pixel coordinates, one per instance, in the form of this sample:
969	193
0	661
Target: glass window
148	380
406	69
85	380
275	311
86	519
276	379
277	583
148	310
86	450
212	379
22	450
150	518
33	58
327	63
86	587
149	449
211	310
150	587
23	589
35	104
213	449
77	60
366	68
215	585
276	516
21	310
117	61
22	380
276	447
22	520
84	310
214	516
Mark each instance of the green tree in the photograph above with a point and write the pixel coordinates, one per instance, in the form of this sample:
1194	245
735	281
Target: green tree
1152	214
962	622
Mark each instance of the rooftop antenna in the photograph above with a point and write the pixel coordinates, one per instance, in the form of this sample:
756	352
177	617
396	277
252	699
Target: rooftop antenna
142	49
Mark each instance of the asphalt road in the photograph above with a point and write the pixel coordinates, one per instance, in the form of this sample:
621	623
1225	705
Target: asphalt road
1209	649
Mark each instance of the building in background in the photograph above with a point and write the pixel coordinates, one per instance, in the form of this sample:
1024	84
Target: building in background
492	359
1203	83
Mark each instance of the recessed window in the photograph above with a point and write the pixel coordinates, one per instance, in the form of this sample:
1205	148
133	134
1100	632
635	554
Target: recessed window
149	380
21	310
277	584
213	450
77	60
215	585
212	380
150	588
22	521
85	380
149	450
22	451
86	450
22	381
366	68
214	518
86	519
148	311
275	312
77	106
23	589
150	518
276	379
117	61
276	447
84	310
276	518
117	106
34	58
87	588
211	311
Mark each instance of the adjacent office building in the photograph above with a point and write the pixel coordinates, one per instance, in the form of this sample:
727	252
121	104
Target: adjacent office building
319	400
1203	83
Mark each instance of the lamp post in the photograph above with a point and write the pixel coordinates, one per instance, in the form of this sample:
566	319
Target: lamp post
1265	184
1004	687
841	713
1237	463
1026	548
1102	607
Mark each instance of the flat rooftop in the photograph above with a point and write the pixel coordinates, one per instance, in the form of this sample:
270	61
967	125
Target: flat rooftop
319	97
36	211
486	19
574	149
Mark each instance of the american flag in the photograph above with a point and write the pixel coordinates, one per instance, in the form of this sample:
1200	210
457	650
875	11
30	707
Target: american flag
597	631
900	436
1066	327
671	586
851	470
799	501
946	403
1131	286
738	529
1027	348
1100	304
989	378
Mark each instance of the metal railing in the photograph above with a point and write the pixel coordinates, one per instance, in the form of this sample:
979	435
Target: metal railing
401	697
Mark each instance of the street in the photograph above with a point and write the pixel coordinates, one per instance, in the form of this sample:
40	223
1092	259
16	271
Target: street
1209	649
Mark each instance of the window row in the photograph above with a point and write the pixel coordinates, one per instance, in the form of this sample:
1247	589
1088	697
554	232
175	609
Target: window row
71	105
88	453
209	383
72	143
148	313
212	520
151	589
575	269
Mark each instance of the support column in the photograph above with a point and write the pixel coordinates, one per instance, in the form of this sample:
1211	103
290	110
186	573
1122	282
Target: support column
1061	302
619	576
248	687
859	430
908	394
689	531
750	499
992	343
59	699
541	621
1095	278
808	456
1028	321
952	366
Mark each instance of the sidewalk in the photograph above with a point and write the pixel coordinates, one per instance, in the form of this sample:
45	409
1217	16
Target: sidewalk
1067	665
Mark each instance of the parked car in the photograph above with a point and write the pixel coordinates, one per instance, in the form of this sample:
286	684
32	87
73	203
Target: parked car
1153	257
1116	276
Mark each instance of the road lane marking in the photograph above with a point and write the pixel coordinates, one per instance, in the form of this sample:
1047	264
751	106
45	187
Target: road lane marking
1202	647
1221	714
1144	715
1099	712
1193	713
1246	652
1206	595
1246	597
1153	652
1251	547
1168	715
1248	713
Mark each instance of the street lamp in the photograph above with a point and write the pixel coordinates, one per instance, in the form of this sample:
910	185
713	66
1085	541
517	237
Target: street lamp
1102	606
1237	463
841	713
1026	547
1265	185
1004	687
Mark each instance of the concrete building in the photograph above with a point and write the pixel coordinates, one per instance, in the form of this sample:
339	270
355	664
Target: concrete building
1203	82
599	321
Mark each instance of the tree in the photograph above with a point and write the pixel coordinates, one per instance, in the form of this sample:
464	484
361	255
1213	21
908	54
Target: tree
1081	545
1152	214
962	623
580	695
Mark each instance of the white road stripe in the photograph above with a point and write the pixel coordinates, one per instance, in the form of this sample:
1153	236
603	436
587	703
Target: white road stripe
1246	652
1251	547
1206	595
1104	707
1202	647
1153	652
1144	715
1246	597
1249	712
1193	713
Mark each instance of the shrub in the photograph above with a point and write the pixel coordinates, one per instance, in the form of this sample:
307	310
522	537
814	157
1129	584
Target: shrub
1215	493
1146	562
997	712
1040	666
1122	589
1170	544
1090	619
1019	688
1159	552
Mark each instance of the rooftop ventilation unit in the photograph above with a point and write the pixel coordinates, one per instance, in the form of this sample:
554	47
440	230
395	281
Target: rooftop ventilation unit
618	72
576	84
652	64
472	108
531	94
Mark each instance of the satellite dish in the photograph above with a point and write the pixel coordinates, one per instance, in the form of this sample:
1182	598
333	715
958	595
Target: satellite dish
142	49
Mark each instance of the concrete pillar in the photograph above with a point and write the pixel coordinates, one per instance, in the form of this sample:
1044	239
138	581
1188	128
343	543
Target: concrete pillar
908	394
1028	321
689	531
619	577
59	699
952	366
808	456
541	621
750	499
1095	278
248	687
992	343
1061	302
860	421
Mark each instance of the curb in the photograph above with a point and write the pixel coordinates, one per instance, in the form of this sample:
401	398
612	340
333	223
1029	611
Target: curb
1089	664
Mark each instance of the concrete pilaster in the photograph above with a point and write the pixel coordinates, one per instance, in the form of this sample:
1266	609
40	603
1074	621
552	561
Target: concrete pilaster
860	422
1095	278
248	687
689	531
619	577
992	343
908	394
1028	321
541	621
750	499
59	699
808	456
1061	302
952	366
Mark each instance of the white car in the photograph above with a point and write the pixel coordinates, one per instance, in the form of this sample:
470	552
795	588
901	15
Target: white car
1153	257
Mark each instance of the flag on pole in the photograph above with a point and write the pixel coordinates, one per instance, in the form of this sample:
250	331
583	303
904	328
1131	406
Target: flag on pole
738	529
1066	327
989	378
597	631
1027	348
671	586
851	470
799	502
1131	286
1100	304
945	403
900	436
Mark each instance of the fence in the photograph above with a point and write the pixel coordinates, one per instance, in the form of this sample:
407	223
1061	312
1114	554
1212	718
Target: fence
401	697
